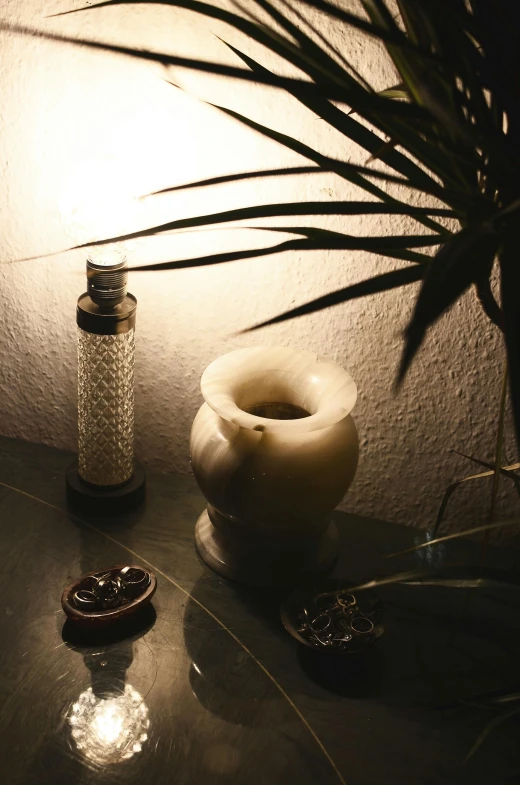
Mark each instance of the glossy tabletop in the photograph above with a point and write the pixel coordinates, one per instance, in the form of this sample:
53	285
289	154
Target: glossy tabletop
207	687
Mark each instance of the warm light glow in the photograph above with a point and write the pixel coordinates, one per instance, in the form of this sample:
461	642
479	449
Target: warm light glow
99	199
107	724
112	729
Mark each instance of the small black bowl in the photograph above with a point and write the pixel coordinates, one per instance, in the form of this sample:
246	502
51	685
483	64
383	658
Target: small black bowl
313	616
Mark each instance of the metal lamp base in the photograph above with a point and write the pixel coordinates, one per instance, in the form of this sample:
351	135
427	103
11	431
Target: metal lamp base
83	497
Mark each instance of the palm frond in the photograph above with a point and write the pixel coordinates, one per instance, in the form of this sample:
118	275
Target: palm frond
506	470
449	130
454	268
374	285
457	536
489	728
352	129
453	577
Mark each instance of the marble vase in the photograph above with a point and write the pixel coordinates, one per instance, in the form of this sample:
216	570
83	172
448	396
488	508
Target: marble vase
273	449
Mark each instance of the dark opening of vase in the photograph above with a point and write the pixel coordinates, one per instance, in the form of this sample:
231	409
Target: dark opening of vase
277	411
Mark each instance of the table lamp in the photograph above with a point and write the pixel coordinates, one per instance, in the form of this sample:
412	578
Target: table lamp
105	479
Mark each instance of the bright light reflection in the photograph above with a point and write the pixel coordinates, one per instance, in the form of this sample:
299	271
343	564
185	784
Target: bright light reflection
109	730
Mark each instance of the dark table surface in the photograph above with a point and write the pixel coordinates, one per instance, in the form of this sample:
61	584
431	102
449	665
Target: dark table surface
208	687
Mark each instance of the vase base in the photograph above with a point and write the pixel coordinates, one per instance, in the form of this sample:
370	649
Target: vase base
264	565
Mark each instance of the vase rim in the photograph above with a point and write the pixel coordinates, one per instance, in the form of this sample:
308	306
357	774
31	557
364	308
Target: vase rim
221	379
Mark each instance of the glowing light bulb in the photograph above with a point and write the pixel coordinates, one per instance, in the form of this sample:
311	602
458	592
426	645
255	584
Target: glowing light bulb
109	730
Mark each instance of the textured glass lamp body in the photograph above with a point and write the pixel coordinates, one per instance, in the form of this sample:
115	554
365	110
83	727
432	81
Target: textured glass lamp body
106	479
106	407
106	327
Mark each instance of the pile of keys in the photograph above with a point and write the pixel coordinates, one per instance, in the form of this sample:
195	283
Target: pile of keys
111	590
335	621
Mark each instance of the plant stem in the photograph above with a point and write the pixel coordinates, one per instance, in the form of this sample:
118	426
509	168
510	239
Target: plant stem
489	305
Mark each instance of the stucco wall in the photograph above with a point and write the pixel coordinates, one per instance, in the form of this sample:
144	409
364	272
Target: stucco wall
80	130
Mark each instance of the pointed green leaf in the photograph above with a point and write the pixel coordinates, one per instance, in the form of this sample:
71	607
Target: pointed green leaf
490	727
454	577
331	239
394	250
320	61
281	47
327	89
510	291
379	154
374	285
305	208
457	536
453	269
394	247
327	44
506	470
233	178
221	258
356	174
397	92
357	22
352	129
375	244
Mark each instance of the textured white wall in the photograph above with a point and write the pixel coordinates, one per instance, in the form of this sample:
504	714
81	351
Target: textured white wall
76	123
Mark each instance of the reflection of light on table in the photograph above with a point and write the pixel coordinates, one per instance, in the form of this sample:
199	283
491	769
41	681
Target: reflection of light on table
221	759
434	556
111	729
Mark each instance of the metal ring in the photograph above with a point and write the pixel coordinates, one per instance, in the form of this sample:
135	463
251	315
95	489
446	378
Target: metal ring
344	643
89	583
108	592
320	623
361	625
324	642
85	600
346	600
134	580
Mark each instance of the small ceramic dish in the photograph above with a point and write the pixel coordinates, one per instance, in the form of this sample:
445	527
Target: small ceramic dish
99	617
328	617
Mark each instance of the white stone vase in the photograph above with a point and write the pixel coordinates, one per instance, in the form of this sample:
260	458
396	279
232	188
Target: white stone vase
273	450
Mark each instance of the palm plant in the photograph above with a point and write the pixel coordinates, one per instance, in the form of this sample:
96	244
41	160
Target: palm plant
449	130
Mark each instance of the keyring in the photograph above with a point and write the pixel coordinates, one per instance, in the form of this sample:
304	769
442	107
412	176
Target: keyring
85	600
346	600
320	624
325	642
361	625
